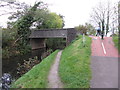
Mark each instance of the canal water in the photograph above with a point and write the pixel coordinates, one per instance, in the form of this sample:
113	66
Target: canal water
10	65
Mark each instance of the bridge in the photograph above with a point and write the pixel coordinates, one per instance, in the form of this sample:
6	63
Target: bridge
37	37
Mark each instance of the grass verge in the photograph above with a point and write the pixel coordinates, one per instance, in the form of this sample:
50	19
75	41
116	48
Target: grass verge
37	76
115	40
74	66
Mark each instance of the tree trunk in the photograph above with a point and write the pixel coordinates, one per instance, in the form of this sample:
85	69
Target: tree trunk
119	22
103	27
107	26
108	17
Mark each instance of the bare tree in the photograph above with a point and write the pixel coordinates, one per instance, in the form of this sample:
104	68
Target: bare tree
108	17
119	20
102	14
11	6
12	10
98	15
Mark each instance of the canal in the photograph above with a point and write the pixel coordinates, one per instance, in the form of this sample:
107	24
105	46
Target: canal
10	65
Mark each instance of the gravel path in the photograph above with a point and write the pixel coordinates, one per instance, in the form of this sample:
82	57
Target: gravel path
53	77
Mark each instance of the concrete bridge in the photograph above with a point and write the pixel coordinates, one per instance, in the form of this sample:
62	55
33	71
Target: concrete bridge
37	37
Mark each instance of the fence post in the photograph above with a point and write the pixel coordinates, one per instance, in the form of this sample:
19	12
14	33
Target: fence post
83	40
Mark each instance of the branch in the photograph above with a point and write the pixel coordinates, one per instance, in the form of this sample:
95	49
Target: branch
17	39
97	15
7	13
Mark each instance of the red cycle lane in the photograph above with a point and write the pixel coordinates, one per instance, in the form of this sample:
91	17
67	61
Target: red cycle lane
111	51
96	47
107	49
104	63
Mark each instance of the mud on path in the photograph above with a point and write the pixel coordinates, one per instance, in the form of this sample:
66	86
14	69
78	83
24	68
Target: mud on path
53	77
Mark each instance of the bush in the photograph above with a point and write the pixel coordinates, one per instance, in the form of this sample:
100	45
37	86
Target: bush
37	76
56	43
115	40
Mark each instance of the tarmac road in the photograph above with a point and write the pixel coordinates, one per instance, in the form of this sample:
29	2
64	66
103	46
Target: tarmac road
104	63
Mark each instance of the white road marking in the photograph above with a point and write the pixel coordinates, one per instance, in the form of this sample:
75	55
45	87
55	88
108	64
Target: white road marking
103	48
99	37
95	37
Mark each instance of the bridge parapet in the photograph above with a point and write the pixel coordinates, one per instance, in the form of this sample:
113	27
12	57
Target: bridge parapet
48	33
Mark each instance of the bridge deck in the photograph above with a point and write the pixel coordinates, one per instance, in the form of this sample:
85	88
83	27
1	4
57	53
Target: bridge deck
49	33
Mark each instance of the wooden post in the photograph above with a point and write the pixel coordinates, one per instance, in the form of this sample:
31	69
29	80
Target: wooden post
83	40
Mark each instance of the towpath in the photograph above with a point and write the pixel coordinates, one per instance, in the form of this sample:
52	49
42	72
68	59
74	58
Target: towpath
53	77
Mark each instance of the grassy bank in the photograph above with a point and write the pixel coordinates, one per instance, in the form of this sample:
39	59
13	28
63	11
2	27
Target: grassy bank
37	76
115	40
74	66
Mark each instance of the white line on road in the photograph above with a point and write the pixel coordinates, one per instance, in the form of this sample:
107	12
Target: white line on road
95	37
103	48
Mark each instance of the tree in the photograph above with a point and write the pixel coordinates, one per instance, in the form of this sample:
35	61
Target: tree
86	29
53	21
108	16
16	36
63	22
23	25
114	23
99	15
13	6
90	29
82	29
46	19
119	22
102	14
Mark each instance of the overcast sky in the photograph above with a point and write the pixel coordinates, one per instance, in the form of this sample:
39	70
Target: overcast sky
75	11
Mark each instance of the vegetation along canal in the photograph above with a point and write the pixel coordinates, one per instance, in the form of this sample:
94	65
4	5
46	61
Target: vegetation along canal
10	65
